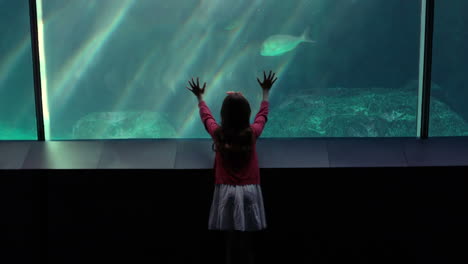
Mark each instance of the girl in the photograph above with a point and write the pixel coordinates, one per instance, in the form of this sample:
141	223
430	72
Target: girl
237	201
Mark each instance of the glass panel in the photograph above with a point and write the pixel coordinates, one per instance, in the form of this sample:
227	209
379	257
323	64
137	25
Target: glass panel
119	68
17	106
449	110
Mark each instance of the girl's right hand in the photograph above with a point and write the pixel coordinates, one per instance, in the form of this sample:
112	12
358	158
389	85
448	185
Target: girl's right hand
267	81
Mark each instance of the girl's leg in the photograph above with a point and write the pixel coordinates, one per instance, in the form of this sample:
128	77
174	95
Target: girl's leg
247	247
231	251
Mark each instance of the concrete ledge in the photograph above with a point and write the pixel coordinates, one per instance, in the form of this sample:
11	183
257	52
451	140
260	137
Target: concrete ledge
197	153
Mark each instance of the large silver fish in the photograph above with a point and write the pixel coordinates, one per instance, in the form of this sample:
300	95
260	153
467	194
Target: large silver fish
279	44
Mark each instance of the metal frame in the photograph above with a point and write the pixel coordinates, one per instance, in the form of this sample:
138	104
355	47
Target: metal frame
425	68
427	21
36	70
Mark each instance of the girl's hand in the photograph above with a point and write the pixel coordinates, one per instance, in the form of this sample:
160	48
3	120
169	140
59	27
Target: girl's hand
267	81
196	90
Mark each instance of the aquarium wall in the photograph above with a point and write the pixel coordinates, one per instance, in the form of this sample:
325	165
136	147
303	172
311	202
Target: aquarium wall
450	69
118	69
17	107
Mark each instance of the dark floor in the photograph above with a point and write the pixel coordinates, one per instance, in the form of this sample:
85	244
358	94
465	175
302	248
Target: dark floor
328	215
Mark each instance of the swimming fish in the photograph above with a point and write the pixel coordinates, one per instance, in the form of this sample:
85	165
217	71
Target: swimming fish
278	44
234	25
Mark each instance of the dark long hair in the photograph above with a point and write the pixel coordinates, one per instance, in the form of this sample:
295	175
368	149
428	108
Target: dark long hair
234	138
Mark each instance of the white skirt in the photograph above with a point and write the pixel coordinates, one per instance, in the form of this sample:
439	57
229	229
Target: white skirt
237	207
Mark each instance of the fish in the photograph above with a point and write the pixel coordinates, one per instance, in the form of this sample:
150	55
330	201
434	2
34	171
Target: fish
279	44
234	25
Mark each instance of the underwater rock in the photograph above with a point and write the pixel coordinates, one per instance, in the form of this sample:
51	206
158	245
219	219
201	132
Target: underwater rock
105	125
9	131
341	112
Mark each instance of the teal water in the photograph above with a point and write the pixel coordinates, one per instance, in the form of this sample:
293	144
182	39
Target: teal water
118	68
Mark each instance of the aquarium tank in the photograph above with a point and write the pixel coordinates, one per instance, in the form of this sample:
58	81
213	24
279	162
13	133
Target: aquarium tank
118	69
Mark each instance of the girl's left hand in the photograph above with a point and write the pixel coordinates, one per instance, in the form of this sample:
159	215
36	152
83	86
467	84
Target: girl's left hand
196	90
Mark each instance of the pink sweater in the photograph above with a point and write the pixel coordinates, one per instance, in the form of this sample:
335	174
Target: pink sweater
251	173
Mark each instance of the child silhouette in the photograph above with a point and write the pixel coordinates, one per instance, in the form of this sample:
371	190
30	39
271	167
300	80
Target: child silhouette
237	204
